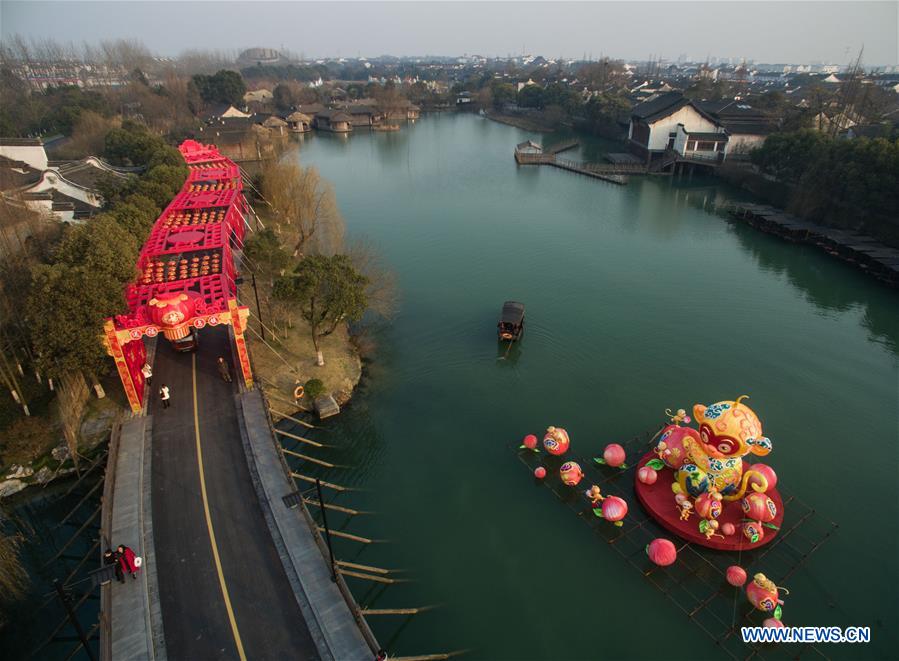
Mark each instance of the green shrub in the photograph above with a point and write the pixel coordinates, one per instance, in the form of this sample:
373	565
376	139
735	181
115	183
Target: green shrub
314	388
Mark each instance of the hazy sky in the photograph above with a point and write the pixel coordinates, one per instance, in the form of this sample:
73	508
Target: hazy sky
764	31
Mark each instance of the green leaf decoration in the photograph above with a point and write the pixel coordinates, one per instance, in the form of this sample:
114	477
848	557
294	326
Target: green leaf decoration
656	464
619	523
599	460
536	450
755	538
771	526
703	526
522	447
623	466
777	613
598	512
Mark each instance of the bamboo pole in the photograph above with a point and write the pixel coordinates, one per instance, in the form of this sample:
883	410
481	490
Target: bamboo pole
292	419
300	438
330	485
367	577
395	611
368	568
307	458
346	535
336	508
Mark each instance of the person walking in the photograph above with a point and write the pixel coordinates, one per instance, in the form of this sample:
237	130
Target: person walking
112	558
164	395
223	369
147	371
128	561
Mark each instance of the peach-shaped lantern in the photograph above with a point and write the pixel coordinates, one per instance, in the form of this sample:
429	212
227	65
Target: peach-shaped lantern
766	471
758	507
614	456
772	623
753	531
736	575
708	505
728	529
571	473
763	593
661	551
540	472
530	442
614	509
647	475
556	440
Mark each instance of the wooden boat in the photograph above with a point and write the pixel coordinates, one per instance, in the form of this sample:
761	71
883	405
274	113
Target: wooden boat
511	321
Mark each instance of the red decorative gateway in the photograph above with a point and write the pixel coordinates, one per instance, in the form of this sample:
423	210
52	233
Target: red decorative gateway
186	274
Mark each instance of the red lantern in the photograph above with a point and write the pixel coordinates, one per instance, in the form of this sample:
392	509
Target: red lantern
530	442
736	575
556	441
571	473
661	551
765	470
758	507
540	472
728	529
772	623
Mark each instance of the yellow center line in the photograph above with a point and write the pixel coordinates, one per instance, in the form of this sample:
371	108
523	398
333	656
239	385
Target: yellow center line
215	550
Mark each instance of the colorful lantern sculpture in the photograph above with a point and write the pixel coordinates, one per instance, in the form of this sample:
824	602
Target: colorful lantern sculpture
614	509
571	473
753	531
540	472
556	441
661	551
758	507
728	431
736	575
647	475
672	445
763	594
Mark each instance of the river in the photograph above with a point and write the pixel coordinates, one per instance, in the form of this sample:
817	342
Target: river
639	298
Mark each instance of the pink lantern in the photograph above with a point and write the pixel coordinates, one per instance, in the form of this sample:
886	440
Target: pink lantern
530	442
661	551
571	473
728	529
614	509
758	507
766	471
671	447
736	575
647	475
614	455
556	440
540	472
708	506
772	623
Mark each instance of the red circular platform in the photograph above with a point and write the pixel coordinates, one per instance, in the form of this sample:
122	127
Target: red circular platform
658	500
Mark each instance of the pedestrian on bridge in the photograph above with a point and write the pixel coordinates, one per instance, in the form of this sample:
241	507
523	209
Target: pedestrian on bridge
223	369
164	395
147	371
128	561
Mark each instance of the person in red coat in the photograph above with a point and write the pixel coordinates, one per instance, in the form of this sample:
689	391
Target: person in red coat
126	560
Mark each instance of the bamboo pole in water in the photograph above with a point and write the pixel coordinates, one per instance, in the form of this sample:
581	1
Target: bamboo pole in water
299	438
292	419
368	568
346	535
330	485
336	508
307	458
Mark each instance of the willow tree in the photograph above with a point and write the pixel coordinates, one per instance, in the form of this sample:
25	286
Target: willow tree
304	207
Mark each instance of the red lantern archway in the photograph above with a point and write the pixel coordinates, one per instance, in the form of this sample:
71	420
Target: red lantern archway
186	272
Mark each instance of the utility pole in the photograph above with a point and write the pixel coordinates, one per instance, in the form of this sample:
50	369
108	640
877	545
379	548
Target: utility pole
258	309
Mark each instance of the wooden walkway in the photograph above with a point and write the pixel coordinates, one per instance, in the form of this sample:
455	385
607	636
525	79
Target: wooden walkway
612	172
864	252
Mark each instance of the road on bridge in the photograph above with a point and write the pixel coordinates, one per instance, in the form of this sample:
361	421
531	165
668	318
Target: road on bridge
223	590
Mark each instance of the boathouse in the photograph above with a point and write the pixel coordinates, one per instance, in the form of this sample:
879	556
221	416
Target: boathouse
297	122
336	121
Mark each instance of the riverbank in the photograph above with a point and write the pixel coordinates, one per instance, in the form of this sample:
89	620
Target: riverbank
529	123
286	358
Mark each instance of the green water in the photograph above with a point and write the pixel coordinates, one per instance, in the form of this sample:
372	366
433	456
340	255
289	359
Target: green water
638	299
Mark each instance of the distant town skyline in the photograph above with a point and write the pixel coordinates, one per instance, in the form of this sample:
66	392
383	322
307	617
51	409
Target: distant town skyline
769	32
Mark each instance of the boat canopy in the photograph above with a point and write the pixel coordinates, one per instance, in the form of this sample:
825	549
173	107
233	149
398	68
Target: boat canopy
513	312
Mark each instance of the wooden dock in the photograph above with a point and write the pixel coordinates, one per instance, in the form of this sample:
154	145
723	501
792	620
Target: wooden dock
615	173
864	252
